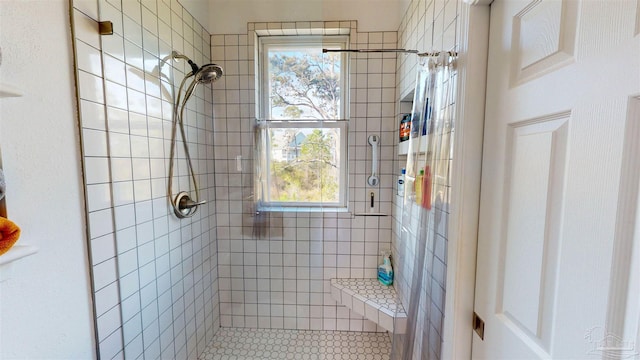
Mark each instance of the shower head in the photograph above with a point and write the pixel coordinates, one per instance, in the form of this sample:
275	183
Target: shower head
209	73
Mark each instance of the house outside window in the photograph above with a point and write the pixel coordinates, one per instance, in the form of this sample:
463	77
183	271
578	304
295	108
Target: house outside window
302	122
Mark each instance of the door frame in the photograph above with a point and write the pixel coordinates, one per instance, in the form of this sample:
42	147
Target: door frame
473	27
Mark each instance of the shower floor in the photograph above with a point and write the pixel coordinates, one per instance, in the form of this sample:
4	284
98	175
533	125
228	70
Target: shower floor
265	344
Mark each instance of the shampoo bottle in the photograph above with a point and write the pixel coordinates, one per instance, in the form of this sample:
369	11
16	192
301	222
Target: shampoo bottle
401	182
385	271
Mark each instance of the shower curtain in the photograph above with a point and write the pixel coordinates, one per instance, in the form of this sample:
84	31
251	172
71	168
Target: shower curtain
423	220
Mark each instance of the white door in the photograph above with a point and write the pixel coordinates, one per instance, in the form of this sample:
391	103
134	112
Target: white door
560	181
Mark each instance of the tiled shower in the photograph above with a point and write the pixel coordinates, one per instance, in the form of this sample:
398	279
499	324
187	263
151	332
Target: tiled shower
164	287
281	280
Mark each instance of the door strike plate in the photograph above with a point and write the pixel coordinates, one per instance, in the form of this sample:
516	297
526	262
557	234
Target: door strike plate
478	325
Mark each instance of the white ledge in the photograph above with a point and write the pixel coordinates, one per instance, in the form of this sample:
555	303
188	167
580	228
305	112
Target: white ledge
14	254
369	214
374	301
9	91
17	252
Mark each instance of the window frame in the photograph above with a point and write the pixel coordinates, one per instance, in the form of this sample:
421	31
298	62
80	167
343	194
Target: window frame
301	41
263	109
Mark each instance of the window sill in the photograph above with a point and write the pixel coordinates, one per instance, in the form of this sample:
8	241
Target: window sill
302	209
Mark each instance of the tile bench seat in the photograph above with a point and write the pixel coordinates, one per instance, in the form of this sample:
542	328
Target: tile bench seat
371	299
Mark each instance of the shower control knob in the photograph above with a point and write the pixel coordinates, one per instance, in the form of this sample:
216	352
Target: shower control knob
184	206
186	203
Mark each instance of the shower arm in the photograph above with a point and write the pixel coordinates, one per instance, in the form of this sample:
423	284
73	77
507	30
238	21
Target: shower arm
194	67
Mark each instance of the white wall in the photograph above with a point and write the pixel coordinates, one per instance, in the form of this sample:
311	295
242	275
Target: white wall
200	10
45	309
231	16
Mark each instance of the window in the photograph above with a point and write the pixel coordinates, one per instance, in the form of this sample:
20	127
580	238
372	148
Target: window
302	122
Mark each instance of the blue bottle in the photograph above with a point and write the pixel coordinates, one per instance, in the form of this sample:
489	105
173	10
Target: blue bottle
385	271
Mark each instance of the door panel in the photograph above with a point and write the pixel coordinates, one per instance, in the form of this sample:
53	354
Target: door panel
535	174
556	116
543	38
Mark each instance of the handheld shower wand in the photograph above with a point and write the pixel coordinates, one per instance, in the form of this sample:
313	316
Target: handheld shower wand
183	205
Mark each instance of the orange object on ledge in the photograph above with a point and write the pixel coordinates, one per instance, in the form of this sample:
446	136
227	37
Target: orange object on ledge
9	234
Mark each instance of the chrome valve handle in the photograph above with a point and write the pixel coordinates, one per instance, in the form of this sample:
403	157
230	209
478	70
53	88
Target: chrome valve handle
187	203
184	207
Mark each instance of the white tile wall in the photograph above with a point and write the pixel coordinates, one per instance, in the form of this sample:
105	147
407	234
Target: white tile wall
276	281
429	25
155	277
281	279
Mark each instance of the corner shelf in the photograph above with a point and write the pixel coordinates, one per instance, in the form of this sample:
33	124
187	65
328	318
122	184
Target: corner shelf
374	301
403	147
405	105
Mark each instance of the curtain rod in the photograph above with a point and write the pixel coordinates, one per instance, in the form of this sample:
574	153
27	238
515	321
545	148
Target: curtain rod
405	51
